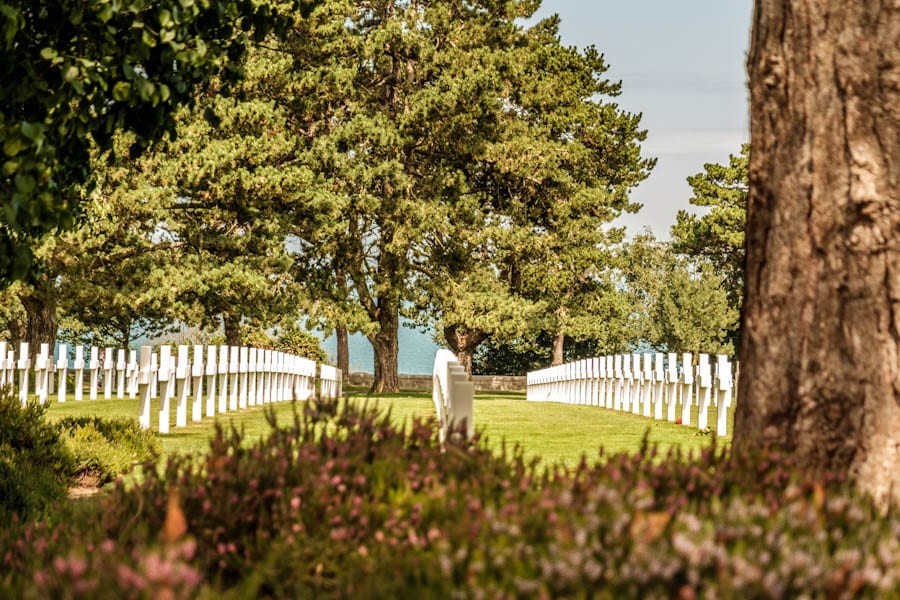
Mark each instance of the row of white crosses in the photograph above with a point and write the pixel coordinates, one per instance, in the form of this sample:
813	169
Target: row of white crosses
241	377
234	377
46	370
650	384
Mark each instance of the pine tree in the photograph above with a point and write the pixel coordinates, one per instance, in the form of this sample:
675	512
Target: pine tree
718	234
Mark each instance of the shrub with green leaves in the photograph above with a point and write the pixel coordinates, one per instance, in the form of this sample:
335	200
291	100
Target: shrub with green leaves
106	448
35	466
342	503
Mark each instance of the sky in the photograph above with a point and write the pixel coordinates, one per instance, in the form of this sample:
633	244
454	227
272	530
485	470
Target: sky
681	64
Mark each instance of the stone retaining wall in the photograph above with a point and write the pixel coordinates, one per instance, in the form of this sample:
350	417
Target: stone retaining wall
483	383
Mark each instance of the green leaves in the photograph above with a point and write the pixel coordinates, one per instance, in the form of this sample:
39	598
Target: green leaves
680	303
32	131
718	235
76	71
122	91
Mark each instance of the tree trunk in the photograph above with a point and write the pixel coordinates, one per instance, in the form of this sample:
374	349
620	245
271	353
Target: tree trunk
343	352
232	326
18	332
386	347
463	342
124	337
40	299
559	343
821	314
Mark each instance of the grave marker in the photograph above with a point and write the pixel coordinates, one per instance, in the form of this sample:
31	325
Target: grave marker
62	367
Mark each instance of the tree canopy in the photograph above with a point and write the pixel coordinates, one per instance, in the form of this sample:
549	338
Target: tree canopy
77	72
718	234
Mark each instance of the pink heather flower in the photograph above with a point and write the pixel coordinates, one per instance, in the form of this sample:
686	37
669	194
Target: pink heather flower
157	569
188	549
189	575
40	578
129	579
59	565
295	502
77	566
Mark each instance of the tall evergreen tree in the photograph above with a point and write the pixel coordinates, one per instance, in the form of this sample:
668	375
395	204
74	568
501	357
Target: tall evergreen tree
223	190
398	99
114	268
718	234
562	172
548	191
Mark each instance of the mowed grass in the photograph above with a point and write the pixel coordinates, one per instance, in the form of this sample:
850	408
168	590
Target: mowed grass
555	433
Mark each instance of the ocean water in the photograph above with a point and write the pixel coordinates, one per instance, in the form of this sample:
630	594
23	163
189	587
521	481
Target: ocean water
416	356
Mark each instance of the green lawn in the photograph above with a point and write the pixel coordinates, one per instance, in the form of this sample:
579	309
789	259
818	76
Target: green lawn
558	433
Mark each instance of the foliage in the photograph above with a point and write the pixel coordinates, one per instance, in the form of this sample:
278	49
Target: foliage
681	303
518	356
287	338
12	314
718	235
113	267
34	464
527	247
341	503
222	192
443	146
75	73
391	115
106	448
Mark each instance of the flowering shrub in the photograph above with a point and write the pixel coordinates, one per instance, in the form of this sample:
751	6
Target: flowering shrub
34	464
341	503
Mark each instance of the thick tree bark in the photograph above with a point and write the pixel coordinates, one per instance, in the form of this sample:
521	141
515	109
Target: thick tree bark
559	344
232	326
124	337
821	314
40	300
17	332
343	351
463	342
386	348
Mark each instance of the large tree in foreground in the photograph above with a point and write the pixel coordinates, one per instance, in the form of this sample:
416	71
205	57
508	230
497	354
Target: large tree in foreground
821	320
